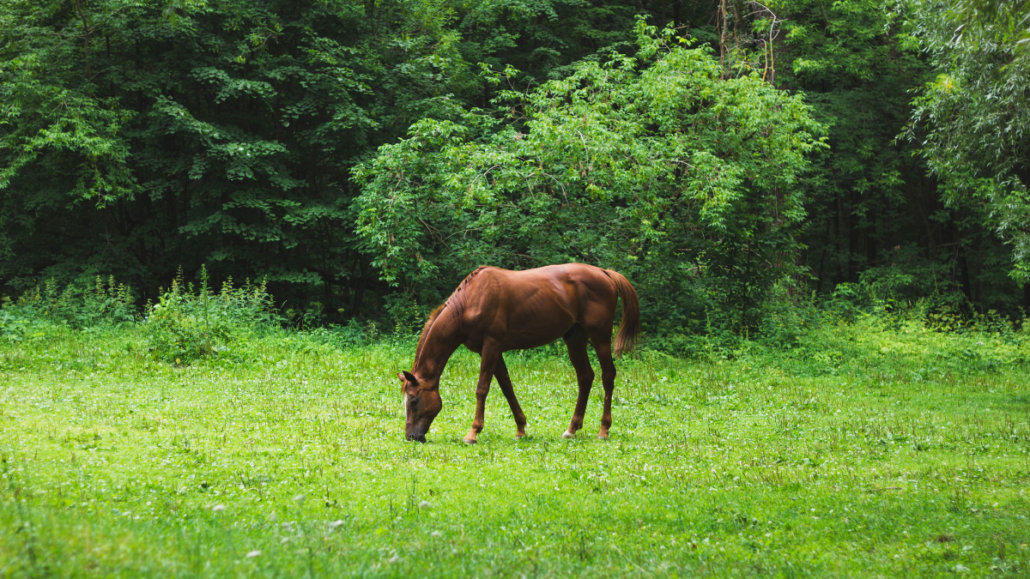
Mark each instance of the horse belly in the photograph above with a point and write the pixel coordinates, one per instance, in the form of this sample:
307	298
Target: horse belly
525	332
524	342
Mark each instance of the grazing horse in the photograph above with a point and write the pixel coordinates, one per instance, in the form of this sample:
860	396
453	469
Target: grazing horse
495	310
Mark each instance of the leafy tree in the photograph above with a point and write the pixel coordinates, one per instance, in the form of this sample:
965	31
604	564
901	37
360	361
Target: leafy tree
876	217
651	164
974	118
867	195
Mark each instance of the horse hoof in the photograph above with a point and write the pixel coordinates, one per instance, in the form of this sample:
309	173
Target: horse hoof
569	434
602	436
469	440
520	435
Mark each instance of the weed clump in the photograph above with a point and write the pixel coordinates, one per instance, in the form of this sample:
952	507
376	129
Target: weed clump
191	322
42	311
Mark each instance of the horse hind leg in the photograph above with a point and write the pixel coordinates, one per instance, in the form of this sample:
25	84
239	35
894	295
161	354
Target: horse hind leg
504	381
603	347
576	342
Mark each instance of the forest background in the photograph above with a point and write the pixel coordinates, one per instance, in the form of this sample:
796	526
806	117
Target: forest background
735	160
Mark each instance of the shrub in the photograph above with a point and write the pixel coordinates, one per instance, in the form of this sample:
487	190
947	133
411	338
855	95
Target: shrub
190	322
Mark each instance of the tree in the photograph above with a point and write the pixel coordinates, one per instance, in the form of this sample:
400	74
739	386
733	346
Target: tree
651	164
974	118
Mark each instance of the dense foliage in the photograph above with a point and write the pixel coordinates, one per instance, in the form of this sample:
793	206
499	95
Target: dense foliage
975	113
269	140
652	165
103	304
138	137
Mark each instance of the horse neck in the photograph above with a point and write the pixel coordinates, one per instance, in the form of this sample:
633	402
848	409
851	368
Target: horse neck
441	341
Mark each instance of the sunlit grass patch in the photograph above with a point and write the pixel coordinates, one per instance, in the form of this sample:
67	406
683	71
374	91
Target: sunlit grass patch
289	459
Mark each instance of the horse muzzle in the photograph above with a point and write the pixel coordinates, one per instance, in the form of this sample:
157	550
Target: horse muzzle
417	437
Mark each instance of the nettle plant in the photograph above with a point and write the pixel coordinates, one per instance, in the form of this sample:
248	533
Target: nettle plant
189	323
653	164
105	303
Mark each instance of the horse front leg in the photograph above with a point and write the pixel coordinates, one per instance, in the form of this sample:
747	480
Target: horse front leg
501	373
489	355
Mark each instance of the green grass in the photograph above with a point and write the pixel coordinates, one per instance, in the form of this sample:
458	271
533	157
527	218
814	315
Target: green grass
873	461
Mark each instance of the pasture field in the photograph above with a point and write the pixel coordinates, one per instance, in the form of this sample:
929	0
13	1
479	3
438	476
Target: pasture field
885	454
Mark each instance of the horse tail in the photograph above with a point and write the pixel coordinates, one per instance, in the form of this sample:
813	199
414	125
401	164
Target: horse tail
629	327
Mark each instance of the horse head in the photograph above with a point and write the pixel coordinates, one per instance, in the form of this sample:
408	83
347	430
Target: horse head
421	405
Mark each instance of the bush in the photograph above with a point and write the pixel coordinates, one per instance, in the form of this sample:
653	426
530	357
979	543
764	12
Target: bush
38	312
189	323
856	331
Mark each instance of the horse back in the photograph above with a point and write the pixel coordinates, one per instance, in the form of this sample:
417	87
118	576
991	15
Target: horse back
529	308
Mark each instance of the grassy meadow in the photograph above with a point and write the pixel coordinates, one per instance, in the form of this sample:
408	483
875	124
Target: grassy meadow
881	451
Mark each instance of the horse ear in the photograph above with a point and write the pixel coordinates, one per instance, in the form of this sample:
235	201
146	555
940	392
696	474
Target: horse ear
401	376
409	377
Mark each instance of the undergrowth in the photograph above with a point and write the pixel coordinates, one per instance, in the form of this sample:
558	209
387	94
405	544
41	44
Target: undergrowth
189	323
853	331
43	310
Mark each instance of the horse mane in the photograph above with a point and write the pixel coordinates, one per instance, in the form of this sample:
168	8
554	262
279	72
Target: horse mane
425	329
457	303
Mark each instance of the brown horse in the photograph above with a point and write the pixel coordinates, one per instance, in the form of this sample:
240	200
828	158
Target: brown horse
495	310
